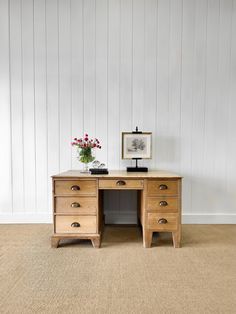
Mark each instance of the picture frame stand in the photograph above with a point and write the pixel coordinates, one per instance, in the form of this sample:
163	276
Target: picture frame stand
137	168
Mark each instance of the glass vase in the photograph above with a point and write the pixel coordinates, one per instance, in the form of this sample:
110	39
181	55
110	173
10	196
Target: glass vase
85	168
86	156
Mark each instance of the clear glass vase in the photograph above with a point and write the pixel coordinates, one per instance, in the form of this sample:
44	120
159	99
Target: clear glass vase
85	168
86	156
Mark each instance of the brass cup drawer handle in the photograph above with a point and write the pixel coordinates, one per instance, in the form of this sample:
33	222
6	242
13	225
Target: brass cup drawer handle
163	187
75	188
75	224
163	203
75	205
120	182
162	221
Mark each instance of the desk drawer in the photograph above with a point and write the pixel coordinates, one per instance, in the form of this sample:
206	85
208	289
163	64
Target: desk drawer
163	204
120	184
76	205
76	224
162	221
162	187
76	187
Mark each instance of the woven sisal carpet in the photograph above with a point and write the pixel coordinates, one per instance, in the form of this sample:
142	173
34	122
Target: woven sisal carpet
122	276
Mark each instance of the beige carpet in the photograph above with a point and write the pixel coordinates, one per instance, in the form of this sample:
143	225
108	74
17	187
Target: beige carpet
122	276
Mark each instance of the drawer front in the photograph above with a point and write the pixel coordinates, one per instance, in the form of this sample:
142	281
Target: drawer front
162	187
76	224
163	204
121	184
76	205
76	187
162	221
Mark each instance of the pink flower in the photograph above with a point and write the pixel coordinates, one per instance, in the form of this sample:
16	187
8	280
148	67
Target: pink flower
85	142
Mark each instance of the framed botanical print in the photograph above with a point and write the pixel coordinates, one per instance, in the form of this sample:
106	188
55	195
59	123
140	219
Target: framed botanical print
136	145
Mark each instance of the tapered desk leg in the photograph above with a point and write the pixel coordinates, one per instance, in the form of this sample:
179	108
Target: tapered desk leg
96	242
54	242
176	239
147	238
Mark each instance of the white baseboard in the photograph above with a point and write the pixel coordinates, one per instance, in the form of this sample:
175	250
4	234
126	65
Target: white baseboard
25	218
21	218
209	219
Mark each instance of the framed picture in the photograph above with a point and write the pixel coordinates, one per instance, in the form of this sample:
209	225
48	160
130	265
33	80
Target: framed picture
136	145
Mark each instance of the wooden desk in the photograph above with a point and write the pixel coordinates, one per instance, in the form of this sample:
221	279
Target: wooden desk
78	212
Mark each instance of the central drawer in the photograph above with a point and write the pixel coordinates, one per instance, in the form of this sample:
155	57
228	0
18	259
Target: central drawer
120	184
76	187
76	205
163	221
76	224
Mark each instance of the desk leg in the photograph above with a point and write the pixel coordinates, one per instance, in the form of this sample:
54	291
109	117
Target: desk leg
147	238
54	242
96	242
176	238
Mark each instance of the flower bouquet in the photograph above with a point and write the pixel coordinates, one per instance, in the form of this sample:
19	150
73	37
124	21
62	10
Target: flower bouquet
85	147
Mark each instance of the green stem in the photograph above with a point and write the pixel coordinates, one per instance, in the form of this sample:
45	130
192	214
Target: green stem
85	155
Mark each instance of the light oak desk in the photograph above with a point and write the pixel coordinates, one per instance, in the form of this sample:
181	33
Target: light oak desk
78	199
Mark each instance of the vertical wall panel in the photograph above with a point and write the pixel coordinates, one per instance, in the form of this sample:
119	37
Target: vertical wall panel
89	66
77	81
212	94
150	75
16	105
64	83
113	148
28	81
126	67
52	87
162	112
188	46
103	67
101	78
41	130
138	63
175	63
199	89
5	111
231	136
222	110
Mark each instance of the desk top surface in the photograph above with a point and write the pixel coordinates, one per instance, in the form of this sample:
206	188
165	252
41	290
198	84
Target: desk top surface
118	174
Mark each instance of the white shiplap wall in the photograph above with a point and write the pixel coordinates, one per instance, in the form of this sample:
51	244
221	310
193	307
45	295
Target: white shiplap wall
105	66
